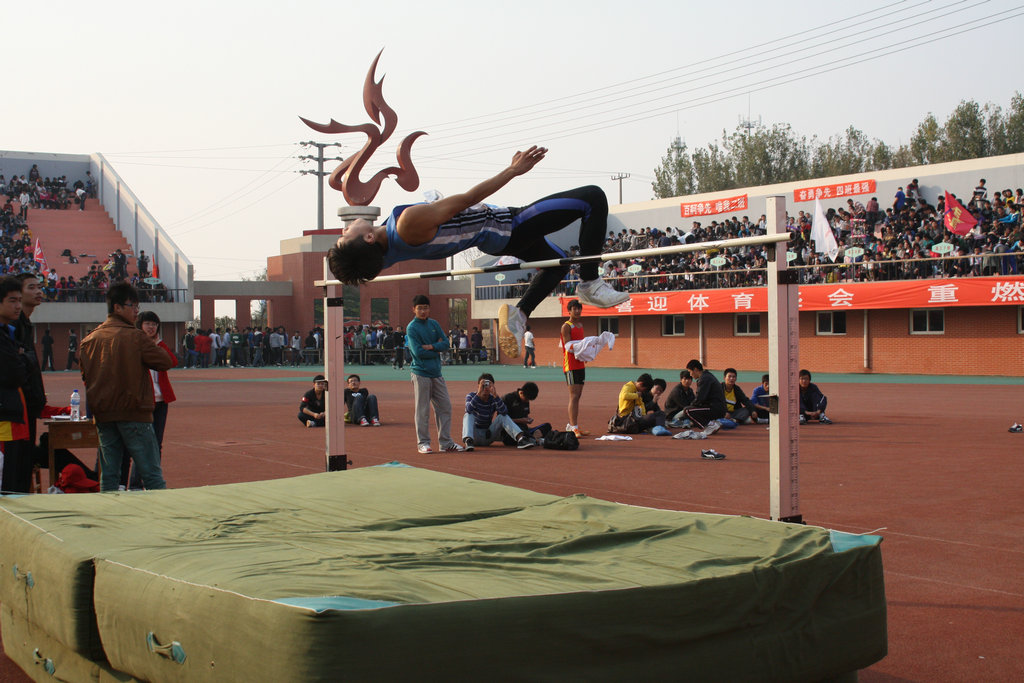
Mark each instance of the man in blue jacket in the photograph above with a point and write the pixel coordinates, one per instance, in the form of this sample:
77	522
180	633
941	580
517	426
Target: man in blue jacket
426	342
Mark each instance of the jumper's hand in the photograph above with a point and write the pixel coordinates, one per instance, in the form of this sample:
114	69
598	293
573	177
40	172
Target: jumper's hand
524	161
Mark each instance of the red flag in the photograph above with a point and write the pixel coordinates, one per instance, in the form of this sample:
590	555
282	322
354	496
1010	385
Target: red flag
958	220
39	258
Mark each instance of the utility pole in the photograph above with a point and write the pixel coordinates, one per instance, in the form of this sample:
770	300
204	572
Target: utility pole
320	173
620	177
748	122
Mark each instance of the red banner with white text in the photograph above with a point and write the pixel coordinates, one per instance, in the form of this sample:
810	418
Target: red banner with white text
713	206
838	190
973	291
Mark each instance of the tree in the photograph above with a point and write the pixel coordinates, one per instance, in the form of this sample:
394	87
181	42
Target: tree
762	156
675	176
881	156
926	143
965	133
712	169
854	153
1015	125
995	128
902	157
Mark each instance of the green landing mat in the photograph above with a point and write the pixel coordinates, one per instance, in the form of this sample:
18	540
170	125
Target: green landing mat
392	572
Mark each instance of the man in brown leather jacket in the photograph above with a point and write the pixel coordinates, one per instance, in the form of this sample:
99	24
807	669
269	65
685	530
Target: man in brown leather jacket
116	359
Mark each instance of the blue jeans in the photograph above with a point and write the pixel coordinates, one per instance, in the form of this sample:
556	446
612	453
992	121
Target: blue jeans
484	436
364	407
136	440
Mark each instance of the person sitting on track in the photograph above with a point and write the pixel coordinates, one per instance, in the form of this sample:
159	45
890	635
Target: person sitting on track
738	407
812	401
759	398
361	404
518	404
637	411
453	224
313	409
680	397
709	402
486	416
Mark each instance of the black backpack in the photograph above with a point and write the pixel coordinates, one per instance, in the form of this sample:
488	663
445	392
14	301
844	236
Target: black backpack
560	441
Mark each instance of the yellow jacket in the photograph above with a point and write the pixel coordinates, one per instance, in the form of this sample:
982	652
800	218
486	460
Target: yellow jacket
630	401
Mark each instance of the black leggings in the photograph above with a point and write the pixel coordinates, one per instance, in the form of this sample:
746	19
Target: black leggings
532	225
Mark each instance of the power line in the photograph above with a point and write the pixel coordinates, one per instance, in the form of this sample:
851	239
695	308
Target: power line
632	103
803	32
231	197
244	208
199	149
703	100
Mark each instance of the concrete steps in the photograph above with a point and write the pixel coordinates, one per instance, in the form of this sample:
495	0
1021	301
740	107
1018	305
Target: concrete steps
89	232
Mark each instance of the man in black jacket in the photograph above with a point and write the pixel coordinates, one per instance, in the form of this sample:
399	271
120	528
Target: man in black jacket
680	397
35	395
14	372
709	402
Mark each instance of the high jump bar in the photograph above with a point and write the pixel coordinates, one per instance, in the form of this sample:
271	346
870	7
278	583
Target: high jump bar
783	349
569	260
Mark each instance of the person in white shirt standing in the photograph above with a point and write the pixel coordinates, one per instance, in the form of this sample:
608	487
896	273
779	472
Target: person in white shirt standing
529	352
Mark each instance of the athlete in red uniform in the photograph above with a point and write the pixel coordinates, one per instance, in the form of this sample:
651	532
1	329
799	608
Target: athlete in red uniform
575	370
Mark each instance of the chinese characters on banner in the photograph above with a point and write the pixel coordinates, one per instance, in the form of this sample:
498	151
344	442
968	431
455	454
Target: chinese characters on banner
809	194
975	291
713	206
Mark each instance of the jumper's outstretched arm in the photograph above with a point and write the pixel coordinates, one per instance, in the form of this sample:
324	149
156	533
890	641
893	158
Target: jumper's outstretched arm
418	224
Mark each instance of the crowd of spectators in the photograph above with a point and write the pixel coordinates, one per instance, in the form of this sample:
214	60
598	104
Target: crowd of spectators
899	242
370	345
251	346
31	192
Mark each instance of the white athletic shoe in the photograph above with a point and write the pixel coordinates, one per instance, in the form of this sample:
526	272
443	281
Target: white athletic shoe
601	294
511	327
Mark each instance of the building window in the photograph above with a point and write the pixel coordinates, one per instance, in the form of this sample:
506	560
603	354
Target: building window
832	322
673	325
1020	320
927	321
608	325
748	324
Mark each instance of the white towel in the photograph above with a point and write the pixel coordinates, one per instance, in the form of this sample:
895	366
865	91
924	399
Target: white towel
586	349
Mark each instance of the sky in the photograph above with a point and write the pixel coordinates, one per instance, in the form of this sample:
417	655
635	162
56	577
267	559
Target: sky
196	104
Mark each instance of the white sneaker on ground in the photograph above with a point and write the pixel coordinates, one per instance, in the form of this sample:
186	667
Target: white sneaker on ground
511	327
712	427
599	293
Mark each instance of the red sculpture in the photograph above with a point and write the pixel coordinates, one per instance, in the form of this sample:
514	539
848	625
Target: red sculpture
345	178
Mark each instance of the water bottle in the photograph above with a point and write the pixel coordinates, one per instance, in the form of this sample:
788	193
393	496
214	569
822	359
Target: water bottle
76	405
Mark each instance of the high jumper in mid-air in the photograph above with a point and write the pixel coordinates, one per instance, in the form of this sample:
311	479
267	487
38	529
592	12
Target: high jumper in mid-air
453	224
